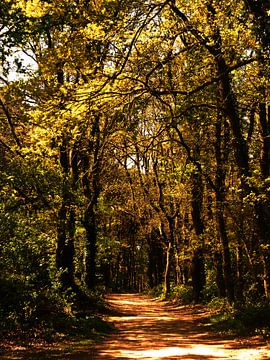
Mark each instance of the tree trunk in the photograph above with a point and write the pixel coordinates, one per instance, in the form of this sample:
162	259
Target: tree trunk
155	259
197	268
65	229
262	213
221	156
239	295
218	260
167	274
90	159
89	223
227	269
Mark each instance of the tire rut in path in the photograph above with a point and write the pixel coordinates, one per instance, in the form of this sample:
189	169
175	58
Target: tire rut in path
150	329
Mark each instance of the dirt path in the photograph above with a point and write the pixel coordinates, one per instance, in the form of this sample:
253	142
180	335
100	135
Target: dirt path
151	329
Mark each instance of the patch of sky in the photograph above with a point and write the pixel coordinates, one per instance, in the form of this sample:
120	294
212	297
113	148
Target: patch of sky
19	65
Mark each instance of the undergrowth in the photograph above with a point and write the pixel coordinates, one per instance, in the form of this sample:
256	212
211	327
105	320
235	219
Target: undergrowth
47	314
250	318
181	294
240	320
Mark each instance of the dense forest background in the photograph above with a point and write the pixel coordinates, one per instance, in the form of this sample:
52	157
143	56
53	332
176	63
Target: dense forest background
134	150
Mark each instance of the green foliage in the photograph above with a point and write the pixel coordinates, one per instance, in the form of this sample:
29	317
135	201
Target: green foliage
137	127
244	320
182	294
254	315
218	304
88	327
210	290
48	313
157	291
24	305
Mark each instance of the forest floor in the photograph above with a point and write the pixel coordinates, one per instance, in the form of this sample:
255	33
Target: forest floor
148	328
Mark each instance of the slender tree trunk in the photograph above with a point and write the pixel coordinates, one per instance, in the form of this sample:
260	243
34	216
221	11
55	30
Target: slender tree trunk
221	155
218	260
227	269
264	208
177	240
167	274
89	222
65	228
155	259
197	267
239	295
265	130
168	257
65	250
150	263
90	159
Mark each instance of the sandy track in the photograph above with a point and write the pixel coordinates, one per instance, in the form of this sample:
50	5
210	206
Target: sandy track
151	329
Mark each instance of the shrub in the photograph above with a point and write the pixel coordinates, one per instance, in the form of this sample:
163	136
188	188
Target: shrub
218	304
254	315
247	319
182	294
23	306
210	292
157	291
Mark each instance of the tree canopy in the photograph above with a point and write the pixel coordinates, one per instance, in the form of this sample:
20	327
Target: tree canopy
135	148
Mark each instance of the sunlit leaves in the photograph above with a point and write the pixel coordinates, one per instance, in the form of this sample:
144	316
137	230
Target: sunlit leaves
34	8
129	93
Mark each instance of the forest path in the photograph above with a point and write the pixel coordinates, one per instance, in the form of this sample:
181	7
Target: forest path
148	328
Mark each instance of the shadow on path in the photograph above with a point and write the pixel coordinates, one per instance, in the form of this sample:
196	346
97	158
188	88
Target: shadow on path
147	328
152	329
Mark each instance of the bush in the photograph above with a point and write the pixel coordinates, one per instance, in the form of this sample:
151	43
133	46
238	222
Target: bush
157	291
254	316
45	313
210	291
23	305
218	304
182	294
249	319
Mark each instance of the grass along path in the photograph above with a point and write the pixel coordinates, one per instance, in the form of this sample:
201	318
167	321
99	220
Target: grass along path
152	329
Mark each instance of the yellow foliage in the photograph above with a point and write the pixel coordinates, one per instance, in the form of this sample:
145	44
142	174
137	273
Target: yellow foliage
34	8
94	31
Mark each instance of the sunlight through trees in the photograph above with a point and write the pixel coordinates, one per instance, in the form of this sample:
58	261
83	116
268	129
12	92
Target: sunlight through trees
135	151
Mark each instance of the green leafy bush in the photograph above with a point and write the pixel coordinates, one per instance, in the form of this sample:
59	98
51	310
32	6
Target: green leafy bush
247	319
157	291
22	304
218	304
182	294
210	292
27	312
